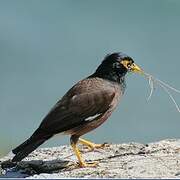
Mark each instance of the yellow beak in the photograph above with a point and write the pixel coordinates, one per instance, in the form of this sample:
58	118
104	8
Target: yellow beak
136	69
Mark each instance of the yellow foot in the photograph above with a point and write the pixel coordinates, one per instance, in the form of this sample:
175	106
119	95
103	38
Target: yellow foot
92	145
79	156
90	164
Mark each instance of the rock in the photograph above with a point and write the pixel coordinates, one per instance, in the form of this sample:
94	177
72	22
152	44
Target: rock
1	171
132	160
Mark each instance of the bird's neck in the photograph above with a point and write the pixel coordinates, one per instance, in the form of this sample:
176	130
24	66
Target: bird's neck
111	76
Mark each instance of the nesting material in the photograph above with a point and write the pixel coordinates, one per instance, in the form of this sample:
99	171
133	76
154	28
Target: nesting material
166	87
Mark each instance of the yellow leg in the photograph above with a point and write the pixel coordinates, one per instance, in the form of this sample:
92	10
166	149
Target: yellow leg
79	156
91	145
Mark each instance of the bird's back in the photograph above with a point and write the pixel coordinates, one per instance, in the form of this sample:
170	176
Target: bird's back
87	98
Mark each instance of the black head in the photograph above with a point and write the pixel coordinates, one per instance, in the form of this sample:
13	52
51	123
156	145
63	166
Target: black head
115	66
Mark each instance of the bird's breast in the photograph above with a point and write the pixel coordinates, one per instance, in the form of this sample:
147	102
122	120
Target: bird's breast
95	121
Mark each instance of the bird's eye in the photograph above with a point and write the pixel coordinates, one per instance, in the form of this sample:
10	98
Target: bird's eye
129	66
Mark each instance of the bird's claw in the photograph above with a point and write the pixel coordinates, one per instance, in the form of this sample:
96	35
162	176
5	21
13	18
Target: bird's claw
89	164
93	146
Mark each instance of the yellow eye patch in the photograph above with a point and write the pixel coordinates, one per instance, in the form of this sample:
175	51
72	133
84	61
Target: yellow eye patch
126	63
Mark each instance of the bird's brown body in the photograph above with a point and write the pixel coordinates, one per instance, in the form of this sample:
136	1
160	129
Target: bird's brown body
84	107
88	98
107	99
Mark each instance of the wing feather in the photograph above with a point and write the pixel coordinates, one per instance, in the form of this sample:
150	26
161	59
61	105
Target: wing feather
73	109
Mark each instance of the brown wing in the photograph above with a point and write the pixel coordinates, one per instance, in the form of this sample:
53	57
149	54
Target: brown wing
73	109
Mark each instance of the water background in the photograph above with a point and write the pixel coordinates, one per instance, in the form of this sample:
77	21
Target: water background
46	46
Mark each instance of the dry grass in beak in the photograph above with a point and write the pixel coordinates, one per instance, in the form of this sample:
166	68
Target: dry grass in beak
165	87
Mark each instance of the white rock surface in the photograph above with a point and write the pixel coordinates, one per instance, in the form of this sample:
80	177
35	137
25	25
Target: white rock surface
133	160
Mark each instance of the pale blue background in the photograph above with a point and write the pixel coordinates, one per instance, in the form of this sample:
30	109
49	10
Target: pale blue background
48	45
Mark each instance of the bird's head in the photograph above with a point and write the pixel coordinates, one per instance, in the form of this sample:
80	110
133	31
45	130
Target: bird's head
122	63
117	64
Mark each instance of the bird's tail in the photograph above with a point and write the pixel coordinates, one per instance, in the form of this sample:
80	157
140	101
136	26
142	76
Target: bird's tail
28	146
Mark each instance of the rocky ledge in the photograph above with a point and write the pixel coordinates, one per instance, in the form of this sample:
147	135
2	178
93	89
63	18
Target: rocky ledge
132	160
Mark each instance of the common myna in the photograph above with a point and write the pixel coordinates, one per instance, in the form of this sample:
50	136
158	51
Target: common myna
84	107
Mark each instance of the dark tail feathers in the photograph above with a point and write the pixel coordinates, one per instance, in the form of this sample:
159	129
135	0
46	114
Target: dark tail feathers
28	146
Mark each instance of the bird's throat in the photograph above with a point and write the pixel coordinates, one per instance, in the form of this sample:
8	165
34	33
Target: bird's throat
112	76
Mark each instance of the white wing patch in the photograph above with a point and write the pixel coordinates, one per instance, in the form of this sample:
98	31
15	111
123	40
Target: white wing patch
91	118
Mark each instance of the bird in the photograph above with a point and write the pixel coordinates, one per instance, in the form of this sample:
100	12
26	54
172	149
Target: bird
85	106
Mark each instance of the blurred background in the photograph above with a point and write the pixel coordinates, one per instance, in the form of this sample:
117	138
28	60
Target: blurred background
47	46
